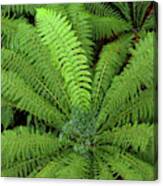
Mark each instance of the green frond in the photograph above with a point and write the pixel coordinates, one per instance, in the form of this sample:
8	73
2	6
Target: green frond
138	73
134	12
22	42
24	150
140	108
71	166
124	9
139	12
100	9
105	27
80	24
66	50
101	170
8	30
150	154
21	96
130	167
111	59
17	10
42	86
82	27
137	136
125	165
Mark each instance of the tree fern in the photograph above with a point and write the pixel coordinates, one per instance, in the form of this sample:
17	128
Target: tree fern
80	77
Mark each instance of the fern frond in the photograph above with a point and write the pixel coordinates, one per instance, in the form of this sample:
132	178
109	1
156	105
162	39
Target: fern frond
21	96
101	9
139	12
82	27
19	64
17	10
136	136
138	73
9	29
151	151
105	27
135	13
142	18
72	166
20	157
139	109
102	170
111	59
126	165
124	9
130	167
57	35
23	42
80	24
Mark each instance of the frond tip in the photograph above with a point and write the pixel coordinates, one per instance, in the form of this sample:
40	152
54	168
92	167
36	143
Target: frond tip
66	50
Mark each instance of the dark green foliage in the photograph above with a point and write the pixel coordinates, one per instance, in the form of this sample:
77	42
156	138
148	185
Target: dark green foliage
81	77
